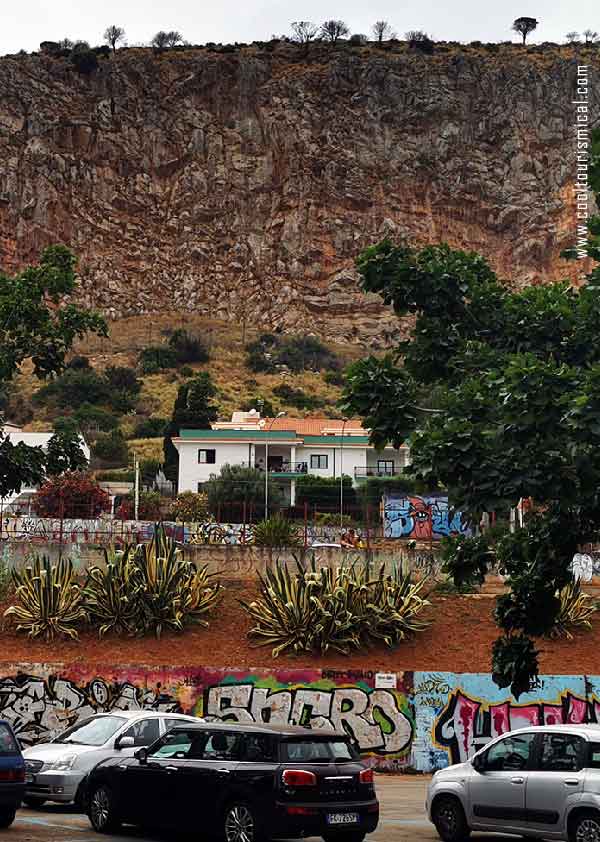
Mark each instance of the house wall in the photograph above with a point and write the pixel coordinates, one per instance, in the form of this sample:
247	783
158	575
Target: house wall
191	472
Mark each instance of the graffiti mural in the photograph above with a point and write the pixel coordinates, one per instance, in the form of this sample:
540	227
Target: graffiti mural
379	721
421	518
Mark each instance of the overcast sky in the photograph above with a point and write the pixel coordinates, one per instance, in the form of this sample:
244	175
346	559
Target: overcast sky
23	24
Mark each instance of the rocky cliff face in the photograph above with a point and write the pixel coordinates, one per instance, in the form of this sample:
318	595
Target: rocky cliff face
243	185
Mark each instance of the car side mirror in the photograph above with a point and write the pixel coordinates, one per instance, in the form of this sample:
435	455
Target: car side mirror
141	755
124	742
478	762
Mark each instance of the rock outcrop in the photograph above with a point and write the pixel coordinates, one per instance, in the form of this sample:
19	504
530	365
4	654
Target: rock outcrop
243	185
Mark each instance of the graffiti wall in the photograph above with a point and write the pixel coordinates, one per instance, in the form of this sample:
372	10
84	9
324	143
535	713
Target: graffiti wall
421	518
428	721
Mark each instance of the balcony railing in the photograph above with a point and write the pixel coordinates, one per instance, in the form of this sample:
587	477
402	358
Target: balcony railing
284	467
373	471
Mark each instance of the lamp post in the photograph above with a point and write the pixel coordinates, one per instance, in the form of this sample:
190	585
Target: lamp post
279	415
342	476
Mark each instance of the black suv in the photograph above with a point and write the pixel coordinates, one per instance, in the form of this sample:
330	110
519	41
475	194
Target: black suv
244	783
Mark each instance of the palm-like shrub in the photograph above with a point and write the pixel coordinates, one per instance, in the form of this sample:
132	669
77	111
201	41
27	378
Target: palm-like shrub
576	610
276	531
49	600
111	593
171	591
313	610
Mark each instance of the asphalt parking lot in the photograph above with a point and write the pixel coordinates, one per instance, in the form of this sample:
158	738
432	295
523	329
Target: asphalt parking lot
402	819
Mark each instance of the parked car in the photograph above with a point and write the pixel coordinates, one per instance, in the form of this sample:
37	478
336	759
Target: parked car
56	771
12	774
541	782
243	783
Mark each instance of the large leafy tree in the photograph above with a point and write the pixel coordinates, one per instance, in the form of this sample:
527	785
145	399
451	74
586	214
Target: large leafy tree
194	408
38	322
498	393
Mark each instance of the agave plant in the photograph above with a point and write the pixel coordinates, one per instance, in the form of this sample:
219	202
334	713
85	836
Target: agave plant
320	610
50	602
276	531
170	590
111	593
576	610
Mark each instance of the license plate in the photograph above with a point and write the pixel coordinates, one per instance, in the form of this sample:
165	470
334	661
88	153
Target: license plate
29	779
342	818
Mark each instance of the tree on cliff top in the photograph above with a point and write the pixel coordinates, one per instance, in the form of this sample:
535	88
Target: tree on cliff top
383	31
304	31
114	35
333	30
39	324
524	26
498	394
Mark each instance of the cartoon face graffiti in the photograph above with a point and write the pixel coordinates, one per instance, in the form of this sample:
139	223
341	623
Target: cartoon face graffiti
420	512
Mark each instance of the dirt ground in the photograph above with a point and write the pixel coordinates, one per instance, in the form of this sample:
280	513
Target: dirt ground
458	640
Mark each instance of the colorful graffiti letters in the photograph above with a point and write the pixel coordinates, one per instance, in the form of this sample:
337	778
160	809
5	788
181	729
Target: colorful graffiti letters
372	717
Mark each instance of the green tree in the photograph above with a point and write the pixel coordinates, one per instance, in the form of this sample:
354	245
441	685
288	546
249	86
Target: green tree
194	408
40	324
236	485
65	452
498	394
524	26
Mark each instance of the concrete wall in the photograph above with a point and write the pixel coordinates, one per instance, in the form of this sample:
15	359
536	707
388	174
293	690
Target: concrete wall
427	721
191	472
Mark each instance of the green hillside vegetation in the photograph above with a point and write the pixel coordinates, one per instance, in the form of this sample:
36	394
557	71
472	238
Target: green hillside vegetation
123	387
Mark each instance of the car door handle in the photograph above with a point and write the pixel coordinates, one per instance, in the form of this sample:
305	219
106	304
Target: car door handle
224	771
171	769
571	781
517	780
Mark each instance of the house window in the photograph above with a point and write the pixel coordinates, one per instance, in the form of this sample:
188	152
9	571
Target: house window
206	457
385	467
318	461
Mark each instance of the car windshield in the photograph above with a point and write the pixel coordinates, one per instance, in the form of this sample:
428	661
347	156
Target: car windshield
317	751
94	731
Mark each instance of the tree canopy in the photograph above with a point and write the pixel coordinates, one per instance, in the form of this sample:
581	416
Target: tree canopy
497	392
194	408
40	324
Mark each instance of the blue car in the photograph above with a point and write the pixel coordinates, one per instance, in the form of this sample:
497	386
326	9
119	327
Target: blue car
12	774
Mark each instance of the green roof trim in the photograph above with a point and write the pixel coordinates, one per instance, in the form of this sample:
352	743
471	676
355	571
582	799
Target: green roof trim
240	435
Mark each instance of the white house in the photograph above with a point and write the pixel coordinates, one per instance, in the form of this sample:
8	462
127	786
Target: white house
15	434
290	447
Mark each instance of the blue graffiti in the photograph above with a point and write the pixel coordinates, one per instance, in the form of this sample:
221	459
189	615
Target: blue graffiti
421	517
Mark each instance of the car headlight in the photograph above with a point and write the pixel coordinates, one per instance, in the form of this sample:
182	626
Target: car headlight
62	763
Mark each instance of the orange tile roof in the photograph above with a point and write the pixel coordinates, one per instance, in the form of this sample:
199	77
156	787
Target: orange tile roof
315	426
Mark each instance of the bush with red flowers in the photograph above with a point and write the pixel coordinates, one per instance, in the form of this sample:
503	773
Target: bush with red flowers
72	495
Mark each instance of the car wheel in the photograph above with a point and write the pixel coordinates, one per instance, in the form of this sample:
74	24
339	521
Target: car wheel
586	828
449	820
7	816
33	802
102	811
240	824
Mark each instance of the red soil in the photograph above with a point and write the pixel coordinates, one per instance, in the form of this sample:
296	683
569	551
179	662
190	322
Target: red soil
458	640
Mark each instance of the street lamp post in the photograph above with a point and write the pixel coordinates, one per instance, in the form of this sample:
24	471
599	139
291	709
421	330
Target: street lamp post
342	476
279	415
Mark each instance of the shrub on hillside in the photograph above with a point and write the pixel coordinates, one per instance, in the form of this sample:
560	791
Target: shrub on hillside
78	362
123	379
111	448
84	61
339	610
90	418
156	358
298	353
149	428
188	348
296	397
73	388
71	495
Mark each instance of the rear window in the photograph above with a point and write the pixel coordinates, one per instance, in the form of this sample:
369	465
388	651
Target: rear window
594	756
8	744
317	751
